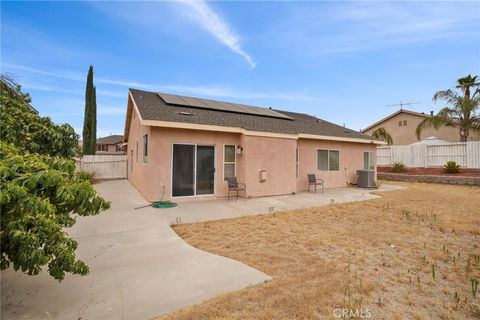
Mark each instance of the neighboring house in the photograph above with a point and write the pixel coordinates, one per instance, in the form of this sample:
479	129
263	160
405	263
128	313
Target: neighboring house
186	147
401	126
110	145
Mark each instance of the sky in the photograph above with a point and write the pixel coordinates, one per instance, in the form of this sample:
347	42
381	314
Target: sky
344	62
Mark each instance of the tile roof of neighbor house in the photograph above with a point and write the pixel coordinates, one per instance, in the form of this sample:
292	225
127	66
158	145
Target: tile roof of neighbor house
152	107
112	139
423	115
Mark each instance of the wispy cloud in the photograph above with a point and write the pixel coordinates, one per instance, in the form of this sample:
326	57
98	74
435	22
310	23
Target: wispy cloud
214	91
212	22
365	26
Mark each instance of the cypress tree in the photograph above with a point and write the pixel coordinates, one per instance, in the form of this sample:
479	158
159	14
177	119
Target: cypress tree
90	120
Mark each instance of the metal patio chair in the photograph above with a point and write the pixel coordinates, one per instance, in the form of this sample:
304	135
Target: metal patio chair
235	186
313	181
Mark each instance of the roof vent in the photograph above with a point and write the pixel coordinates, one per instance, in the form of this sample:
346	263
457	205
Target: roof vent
185	113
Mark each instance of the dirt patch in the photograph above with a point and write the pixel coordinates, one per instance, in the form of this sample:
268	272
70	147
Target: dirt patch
411	254
434	171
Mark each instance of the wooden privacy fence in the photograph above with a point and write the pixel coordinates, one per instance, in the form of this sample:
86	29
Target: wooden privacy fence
103	166
466	154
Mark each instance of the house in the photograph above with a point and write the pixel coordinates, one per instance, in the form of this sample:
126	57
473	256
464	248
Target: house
111	144
186	147
401	126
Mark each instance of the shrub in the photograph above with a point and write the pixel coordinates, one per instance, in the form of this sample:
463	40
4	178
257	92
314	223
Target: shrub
399	167
451	167
40	197
87	176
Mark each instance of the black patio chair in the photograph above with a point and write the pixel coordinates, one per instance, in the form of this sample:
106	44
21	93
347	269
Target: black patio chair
235	186
313	181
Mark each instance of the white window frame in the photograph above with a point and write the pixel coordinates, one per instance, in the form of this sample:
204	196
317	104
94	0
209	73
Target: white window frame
234	163
102	147
328	160
371	158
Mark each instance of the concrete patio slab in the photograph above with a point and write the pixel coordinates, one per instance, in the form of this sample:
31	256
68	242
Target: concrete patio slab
139	268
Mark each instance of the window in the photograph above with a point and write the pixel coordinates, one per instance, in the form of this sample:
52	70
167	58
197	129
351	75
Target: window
145	148
136	152
400	123
368	161
131	160
404	123
229	162
328	160
102	147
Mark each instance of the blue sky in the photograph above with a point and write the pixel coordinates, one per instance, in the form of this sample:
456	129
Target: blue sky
341	61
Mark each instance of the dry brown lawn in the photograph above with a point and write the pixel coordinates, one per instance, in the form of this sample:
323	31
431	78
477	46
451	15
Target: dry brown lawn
412	254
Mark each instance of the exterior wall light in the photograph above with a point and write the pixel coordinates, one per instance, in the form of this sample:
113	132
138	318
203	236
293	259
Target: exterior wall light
239	149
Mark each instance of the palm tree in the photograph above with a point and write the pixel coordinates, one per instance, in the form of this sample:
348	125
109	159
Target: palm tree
382	133
466	83
463	112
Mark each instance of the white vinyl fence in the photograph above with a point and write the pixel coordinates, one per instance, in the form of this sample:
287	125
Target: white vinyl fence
466	154
103	166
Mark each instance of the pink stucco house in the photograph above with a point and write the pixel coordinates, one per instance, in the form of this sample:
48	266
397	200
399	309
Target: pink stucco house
186	147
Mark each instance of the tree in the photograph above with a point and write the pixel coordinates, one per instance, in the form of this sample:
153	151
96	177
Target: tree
21	125
464	110
40	196
41	193
90	120
382	133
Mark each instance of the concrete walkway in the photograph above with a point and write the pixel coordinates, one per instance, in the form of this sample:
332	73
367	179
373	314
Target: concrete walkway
139	268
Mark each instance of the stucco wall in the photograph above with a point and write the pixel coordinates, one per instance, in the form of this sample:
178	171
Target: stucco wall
274	155
406	134
150	178
351	158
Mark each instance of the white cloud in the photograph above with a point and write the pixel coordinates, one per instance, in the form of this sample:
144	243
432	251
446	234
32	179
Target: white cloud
363	26
215	24
214	91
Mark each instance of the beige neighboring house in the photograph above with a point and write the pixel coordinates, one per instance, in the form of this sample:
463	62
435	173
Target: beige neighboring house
401	125
186	147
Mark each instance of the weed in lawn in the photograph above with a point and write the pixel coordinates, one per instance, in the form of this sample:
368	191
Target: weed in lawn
474	287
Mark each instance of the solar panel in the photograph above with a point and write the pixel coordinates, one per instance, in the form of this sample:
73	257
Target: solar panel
220	106
172	99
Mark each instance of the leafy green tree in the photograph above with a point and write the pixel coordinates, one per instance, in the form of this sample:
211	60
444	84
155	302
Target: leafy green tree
22	126
40	196
41	192
90	120
382	133
463	112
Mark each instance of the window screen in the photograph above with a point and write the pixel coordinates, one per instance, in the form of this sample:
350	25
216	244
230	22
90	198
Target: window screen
229	162
328	160
145	148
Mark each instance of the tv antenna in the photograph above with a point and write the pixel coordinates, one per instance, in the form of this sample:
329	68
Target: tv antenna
402	104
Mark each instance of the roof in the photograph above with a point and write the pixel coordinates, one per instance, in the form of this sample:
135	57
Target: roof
430	141
112	139
423	115
151	106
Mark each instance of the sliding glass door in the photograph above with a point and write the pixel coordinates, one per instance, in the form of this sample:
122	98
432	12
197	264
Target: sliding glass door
193	170
205	169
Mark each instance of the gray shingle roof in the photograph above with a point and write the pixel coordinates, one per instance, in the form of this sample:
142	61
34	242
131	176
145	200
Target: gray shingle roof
113	139
152	107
